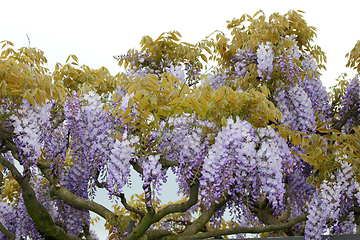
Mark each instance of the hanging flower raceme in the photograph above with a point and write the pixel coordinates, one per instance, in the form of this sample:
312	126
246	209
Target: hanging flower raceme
28	123
288	68
351	104
215	80
296	108
335	199
265	58
273	162
315	89
118	168
232	155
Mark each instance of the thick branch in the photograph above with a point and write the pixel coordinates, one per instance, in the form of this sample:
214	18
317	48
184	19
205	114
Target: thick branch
65	194
7	232
58	121
61	192
12	147
151	217
264	212
182	207
205	216
87	232
45	169
167	163
157	234
130	208
137	167
287	204
236	230
37	212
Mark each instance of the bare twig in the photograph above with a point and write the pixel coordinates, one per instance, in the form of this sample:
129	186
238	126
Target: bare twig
130	208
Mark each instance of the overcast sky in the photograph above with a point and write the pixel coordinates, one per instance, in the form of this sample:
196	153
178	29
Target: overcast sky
95	31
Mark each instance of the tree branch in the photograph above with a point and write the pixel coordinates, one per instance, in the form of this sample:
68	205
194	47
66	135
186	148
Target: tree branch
61	192
1	179
167	163
130	208
151	217
236	230
7	232
58	121
87	232
137	167
65	194
45	169
37	212
182	207
157	234
205	216
12	147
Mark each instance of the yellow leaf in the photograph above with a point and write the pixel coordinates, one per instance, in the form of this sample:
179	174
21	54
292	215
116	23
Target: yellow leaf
219	94
307	159
112	236
128	119
138	95
335	131
298	140
197	95
131	88
265	90
207	49
38	98
176	100
126	113
203	57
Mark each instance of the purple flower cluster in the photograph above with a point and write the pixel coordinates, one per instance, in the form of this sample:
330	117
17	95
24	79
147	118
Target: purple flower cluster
273	161
296	108
216	80
244	161
88	130
28	124
300	191
350	99
229	160
240	62
315	89
136	58
294	49
186	144
8	218
265	57
178	72
153	176
118	168
334	199
289	70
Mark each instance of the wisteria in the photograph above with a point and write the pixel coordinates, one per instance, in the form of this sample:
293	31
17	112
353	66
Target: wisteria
315	89
216	80
265	58
289	70
349	101
334	197
254	145
296	108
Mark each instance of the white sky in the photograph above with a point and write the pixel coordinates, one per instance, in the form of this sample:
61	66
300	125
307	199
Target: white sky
95	31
